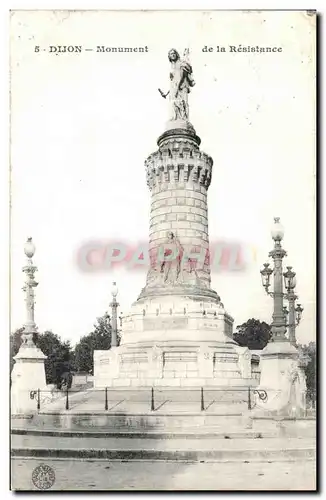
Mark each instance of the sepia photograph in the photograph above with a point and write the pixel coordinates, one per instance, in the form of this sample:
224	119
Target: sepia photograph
163	250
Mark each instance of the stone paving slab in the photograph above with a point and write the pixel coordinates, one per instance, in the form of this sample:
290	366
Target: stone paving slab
159	476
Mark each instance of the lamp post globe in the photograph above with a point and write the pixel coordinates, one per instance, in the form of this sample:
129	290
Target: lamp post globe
114	290
277	231
29	248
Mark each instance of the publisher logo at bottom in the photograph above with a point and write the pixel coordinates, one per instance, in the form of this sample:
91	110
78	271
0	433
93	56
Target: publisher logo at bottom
43	477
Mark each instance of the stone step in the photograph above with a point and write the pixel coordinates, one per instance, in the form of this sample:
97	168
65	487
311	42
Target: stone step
141	422
145	407
153	449
191	433
200	423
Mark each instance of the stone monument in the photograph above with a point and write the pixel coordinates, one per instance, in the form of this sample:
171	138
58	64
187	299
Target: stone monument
28	373
178	332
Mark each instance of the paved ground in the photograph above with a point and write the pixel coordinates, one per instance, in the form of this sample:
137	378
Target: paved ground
110	475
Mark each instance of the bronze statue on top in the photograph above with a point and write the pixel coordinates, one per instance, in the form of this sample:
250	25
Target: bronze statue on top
181	81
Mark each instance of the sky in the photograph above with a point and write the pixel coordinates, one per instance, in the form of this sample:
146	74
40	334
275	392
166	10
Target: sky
82	125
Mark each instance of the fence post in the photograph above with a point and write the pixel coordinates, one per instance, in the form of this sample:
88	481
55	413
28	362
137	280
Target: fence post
67	399
38	399
152	399
106	398
249	399
202	404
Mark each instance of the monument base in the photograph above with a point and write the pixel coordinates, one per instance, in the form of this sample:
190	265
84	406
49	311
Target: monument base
178	365
28	375
283	380
175	341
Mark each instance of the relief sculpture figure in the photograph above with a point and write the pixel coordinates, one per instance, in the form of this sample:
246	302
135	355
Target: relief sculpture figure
171	266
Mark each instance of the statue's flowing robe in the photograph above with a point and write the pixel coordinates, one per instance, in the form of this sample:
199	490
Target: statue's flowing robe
181	81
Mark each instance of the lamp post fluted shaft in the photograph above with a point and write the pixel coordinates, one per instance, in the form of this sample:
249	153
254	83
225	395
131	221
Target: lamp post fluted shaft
29	269
294	320
291	329
278	323
114	317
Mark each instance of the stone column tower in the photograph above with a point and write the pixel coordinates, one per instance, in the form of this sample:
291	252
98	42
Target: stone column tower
178	176
177	332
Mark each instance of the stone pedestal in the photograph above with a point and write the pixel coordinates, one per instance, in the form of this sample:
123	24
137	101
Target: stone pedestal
175	342
28	375
283	380
177	364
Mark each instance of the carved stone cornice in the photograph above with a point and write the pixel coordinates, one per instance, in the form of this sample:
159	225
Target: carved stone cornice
178	160
179	133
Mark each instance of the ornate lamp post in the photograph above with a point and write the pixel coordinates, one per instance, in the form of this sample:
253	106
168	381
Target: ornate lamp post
282	374
295	313
114	321
28	374
281	313
277	254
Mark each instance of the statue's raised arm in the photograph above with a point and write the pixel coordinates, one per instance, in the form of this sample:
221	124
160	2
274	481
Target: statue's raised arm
181	79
